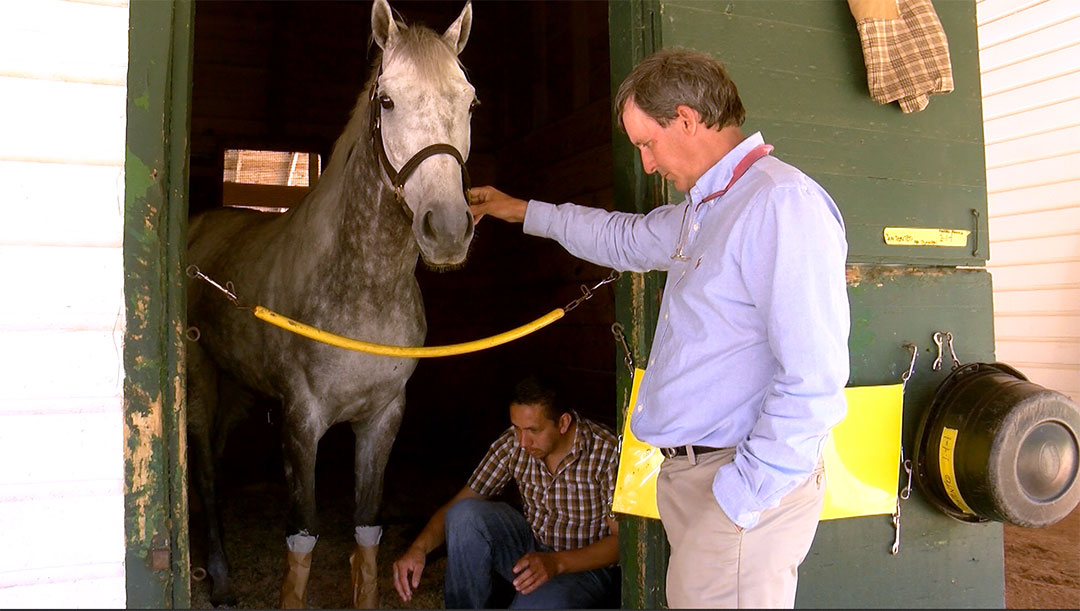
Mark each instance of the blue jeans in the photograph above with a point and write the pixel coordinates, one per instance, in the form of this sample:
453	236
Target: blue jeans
484	540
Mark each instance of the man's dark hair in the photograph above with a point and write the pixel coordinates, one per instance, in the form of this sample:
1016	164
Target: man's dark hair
541	389
674	76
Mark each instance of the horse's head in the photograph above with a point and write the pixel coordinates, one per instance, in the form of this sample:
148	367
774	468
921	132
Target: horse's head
421	105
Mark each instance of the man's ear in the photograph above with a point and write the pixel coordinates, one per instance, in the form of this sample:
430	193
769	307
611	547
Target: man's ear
687	118
564	423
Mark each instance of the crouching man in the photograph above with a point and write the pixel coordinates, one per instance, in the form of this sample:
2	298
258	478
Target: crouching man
562	553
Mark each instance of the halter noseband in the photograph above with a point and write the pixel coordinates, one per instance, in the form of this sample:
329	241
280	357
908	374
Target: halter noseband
398	177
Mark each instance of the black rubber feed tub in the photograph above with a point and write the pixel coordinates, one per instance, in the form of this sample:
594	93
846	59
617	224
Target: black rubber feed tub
995	446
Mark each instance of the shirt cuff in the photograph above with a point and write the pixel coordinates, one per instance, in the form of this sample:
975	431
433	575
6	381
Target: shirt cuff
735	501
538	217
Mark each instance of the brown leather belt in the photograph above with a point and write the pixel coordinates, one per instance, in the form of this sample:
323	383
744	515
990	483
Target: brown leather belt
681	450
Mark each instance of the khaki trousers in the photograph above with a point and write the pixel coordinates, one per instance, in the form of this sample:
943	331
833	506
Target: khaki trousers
715	565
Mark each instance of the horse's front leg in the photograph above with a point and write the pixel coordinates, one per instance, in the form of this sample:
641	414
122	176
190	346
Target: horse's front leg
300	440
374	440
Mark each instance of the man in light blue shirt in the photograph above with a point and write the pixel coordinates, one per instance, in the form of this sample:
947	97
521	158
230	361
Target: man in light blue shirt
749	357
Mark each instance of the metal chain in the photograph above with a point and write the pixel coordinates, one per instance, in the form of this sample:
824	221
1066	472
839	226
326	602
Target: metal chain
587	293
628	357
628	360
229	290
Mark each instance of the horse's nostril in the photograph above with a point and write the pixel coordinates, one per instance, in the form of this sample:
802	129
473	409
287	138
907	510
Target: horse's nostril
468	224
427	225
437	226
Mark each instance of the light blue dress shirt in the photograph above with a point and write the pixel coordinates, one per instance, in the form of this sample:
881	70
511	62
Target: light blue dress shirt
750	349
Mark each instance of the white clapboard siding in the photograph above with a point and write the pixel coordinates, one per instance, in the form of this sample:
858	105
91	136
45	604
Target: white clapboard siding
63	67
1053	196
1014	276
52	204
1026	301
1059	141
1039	223
1029	54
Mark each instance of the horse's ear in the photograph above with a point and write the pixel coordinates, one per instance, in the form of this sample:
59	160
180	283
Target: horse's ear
383	26
458	33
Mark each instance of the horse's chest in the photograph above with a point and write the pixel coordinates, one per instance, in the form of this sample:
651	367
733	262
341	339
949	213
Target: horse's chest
345	376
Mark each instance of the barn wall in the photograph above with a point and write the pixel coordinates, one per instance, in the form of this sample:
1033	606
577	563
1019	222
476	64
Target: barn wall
285	76
1031	111
62	78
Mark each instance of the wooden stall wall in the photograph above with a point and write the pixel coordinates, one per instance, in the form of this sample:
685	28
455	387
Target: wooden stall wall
285	76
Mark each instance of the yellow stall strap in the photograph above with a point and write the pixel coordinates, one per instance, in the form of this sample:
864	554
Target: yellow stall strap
414	352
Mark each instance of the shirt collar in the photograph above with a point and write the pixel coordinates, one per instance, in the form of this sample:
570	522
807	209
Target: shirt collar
718	176
580	443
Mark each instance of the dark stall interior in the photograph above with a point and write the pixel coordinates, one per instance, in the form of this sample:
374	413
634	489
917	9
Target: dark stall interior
284	76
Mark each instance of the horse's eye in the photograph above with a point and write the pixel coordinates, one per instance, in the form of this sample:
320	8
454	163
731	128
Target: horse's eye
386	102
475	103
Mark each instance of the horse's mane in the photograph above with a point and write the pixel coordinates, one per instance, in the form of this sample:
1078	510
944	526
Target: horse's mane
421	47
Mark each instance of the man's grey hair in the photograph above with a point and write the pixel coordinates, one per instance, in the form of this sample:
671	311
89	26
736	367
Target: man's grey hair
675	76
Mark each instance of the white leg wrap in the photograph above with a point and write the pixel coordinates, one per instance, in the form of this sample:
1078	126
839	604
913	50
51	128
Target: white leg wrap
368	535
301	542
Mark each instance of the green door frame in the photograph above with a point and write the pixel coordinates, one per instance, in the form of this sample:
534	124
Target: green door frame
643	546
155	223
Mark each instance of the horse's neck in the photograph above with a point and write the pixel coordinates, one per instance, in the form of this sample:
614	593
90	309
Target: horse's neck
353	231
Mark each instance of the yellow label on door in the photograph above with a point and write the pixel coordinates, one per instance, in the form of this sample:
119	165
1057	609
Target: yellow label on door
945	465
925	236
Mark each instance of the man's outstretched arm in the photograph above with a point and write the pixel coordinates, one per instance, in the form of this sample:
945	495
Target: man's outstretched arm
408	568
490	201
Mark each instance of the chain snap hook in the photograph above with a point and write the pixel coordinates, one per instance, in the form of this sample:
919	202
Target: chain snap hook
587	293
911	368
229	290
628	358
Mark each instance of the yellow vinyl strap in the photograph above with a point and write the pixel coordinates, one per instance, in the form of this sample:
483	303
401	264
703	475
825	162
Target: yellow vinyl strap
412	352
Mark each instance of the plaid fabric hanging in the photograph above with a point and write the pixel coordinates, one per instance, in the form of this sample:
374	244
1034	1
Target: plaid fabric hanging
905	51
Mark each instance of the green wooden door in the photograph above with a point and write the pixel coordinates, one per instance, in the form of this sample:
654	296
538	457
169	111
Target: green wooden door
800	73
155	221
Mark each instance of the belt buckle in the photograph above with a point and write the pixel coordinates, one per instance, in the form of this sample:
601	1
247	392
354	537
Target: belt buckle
669	452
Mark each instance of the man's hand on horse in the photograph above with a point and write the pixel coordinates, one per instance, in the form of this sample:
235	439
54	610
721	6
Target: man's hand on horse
489	200
534	570
407	570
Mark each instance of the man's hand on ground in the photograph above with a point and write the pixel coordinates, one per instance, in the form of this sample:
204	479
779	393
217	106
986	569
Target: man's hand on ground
407	570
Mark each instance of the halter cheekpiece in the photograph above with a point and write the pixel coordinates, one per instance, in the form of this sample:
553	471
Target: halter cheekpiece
398	177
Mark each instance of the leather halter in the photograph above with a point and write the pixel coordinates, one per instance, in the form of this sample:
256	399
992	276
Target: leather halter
398	177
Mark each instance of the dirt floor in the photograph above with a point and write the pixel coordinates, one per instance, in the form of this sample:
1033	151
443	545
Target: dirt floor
258	559
1042	566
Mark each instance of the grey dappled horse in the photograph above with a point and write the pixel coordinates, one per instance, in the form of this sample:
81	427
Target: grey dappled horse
343	260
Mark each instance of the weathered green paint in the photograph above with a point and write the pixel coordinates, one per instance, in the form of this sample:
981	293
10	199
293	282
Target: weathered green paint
155	211
800	72
138	178
643	547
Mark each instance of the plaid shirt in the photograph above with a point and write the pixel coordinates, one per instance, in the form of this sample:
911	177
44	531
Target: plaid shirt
565	510
907	56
